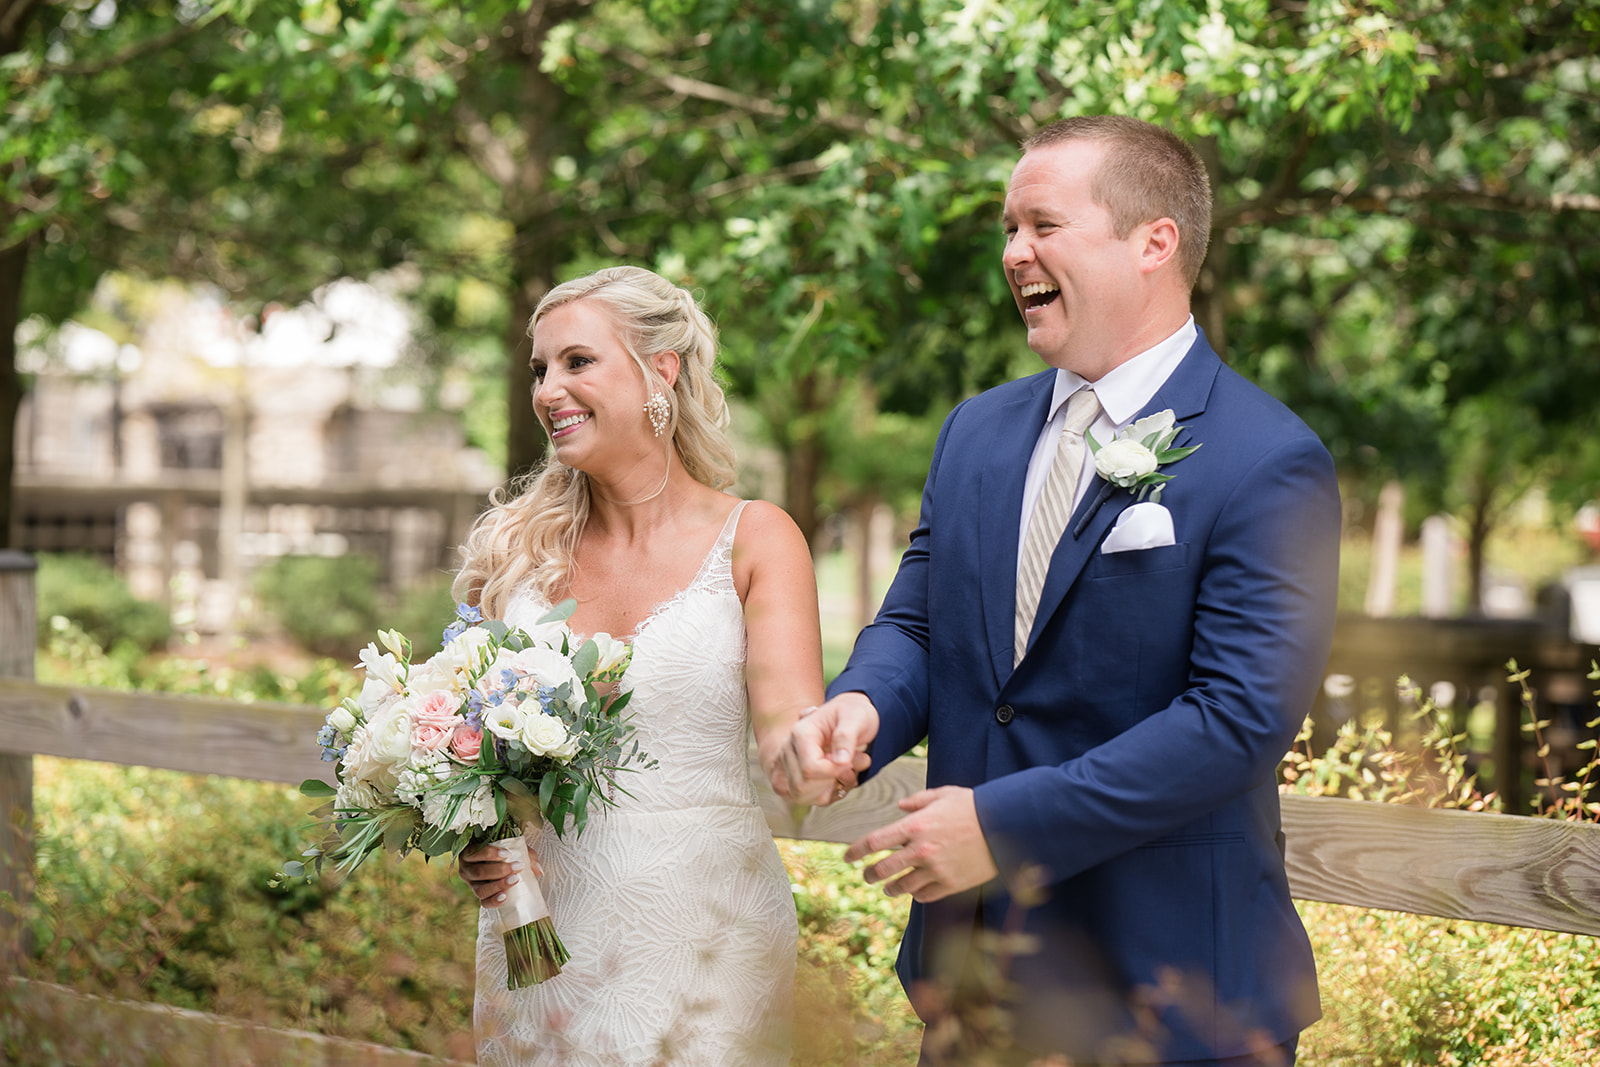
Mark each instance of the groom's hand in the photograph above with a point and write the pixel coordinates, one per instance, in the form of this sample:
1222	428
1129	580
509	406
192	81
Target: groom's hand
826	751
939	847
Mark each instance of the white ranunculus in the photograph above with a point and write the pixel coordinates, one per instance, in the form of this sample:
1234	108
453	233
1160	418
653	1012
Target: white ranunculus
430	676
1158	423
546	735
1124	461
505	721
612	651
548	667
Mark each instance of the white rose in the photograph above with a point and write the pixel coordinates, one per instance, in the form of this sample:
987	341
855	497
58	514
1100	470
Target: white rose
548	667
386	748
612	651
1124	461
430	676
1159	423
505	721
546	735
342	719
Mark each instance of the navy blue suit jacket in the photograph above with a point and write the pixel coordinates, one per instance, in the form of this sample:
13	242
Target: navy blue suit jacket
1129	761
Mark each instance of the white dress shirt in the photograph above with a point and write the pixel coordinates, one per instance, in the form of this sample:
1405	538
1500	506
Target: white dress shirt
1123	393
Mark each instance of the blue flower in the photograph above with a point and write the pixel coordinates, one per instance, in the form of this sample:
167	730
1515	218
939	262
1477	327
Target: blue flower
468	613
454	630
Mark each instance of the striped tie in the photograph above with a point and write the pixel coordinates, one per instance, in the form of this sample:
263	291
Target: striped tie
1050	514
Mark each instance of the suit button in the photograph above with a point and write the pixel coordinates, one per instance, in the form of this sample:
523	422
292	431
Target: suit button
1004	714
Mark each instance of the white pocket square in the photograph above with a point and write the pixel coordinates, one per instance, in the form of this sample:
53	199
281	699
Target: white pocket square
1143	525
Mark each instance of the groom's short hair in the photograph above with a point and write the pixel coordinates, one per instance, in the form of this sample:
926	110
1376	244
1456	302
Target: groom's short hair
1148	173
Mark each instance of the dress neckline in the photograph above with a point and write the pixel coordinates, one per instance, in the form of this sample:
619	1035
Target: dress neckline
701	574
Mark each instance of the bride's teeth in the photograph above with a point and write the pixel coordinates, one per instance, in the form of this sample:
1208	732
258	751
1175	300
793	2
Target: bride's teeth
1037	289
570	420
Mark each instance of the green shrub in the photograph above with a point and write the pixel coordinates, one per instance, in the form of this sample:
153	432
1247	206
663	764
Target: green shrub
329	605
85	590
421	613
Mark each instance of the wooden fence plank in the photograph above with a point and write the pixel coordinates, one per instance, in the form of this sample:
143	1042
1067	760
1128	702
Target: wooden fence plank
1513	870
1507	869
80	1028
268	742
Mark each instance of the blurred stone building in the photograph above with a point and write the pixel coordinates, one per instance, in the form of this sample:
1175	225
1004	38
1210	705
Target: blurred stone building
211	447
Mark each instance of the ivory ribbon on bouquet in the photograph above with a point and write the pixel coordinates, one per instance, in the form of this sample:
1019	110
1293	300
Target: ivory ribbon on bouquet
524	901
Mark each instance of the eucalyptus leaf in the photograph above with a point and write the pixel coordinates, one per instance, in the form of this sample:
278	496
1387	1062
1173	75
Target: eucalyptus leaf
560	613
313	787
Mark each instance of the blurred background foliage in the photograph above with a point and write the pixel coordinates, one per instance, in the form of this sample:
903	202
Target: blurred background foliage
1405	251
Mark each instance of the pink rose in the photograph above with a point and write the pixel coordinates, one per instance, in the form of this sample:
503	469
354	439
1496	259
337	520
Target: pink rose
429	735
439	708
466	742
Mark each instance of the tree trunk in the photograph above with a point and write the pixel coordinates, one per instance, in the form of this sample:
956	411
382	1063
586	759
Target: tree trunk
13	268
802	457
1208	298
535	255
1479	524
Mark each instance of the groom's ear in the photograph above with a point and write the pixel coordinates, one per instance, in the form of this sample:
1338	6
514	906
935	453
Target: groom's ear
1157	245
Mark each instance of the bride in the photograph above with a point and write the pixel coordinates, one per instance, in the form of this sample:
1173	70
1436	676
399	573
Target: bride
674	904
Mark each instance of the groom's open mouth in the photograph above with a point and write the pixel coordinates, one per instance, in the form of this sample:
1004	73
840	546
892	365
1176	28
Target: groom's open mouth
1036	295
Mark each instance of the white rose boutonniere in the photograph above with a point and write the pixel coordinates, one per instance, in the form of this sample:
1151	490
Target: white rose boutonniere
1132	460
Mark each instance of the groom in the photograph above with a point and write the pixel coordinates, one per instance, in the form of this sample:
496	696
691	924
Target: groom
1106	684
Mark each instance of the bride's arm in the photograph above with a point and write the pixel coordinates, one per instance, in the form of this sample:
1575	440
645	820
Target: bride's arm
783	666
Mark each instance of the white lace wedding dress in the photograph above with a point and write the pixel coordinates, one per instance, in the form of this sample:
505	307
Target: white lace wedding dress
675	905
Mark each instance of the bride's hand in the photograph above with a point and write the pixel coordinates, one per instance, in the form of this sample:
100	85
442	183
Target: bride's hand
490	874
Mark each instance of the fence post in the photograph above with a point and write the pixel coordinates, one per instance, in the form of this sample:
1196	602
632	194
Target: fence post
18	613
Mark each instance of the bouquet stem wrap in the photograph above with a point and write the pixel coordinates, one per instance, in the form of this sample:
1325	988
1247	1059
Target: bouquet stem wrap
533	951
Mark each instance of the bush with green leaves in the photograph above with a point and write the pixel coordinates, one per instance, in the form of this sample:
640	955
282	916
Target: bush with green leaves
85	590
332	605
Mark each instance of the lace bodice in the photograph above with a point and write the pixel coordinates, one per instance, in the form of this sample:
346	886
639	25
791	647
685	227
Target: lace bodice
693	642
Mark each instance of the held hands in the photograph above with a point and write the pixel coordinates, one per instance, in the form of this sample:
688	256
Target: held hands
939	847
489	875
826	751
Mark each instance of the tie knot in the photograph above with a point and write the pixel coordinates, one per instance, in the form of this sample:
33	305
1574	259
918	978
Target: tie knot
1083	407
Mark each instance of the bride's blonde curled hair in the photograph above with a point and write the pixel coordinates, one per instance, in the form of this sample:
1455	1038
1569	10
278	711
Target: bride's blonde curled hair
529	535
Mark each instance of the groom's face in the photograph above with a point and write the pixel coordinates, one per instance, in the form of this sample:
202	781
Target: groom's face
1075	281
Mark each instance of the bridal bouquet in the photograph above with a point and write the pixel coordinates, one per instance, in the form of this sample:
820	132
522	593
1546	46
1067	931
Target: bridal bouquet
499	728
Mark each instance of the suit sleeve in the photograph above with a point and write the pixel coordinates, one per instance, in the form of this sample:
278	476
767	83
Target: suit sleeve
1263	627
890	660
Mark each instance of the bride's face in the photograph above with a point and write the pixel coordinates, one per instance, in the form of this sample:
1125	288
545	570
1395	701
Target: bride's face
588	392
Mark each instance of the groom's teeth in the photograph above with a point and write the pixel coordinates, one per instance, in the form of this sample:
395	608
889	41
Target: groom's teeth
570	420
1038	289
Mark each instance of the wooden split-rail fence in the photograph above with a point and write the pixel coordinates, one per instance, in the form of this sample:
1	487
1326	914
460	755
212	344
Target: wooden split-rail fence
1506	869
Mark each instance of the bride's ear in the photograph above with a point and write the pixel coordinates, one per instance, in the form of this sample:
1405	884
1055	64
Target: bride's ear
667	365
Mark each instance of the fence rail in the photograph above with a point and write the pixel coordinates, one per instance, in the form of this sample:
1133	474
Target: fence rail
1505	869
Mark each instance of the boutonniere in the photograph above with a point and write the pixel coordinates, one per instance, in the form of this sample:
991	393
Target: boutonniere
1132	460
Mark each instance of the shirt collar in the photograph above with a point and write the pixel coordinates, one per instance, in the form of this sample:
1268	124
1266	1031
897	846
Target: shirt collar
1126	389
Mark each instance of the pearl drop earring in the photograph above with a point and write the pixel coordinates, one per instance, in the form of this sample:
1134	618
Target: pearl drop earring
659	410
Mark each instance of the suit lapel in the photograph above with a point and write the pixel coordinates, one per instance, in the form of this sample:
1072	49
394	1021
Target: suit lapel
1000	514
1185	392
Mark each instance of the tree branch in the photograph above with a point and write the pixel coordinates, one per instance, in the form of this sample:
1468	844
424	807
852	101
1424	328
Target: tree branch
133	52
1385	199
696	89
